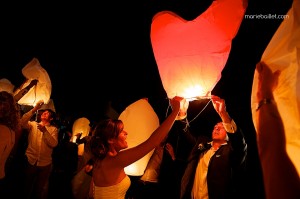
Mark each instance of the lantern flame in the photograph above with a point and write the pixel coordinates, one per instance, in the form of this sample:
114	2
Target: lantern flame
195	92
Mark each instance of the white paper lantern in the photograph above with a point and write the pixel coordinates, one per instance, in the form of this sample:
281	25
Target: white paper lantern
81	125
42	90
6	85
140	121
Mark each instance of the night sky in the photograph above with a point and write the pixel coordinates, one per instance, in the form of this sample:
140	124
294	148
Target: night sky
96	54
99	53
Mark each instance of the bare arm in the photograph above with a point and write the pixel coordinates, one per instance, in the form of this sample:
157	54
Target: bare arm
26	117
131	155
280	176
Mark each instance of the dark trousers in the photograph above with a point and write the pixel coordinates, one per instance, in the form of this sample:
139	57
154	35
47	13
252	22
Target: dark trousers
36	181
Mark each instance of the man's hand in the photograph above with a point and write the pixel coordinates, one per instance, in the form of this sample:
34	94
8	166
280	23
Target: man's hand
220	107
42	128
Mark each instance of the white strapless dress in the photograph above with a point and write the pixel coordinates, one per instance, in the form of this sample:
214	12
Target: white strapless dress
117	191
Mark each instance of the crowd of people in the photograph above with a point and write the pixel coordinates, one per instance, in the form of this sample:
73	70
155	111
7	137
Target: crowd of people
38	163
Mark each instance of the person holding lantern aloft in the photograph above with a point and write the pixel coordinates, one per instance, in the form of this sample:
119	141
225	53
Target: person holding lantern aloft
109	147
280	176
42	138
212	160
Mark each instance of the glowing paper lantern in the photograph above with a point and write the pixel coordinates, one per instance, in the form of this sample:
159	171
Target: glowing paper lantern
282	53
140	120
190	55
50	106
42	91
6	85
81	125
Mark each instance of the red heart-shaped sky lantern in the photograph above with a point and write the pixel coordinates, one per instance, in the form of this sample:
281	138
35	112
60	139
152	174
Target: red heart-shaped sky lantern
191	55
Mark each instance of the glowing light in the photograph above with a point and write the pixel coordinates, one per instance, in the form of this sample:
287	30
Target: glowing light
191	55
81	125
42	91
140	120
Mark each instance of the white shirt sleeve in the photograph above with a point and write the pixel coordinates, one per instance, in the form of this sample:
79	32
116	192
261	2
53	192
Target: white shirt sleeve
230	127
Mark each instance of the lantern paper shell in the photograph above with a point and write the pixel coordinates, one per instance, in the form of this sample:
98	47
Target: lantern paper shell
190	55
6	85
140	120
282	53
81	125
42	91
50	106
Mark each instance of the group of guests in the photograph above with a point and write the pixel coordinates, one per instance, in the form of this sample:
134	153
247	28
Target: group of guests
207	173
42	138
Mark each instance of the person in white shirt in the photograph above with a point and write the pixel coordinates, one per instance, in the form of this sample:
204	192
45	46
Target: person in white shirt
42	138
212	161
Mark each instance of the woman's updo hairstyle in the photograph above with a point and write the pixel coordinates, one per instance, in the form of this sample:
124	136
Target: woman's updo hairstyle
102	133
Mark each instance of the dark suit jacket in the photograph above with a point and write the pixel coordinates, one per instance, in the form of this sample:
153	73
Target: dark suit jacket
223	163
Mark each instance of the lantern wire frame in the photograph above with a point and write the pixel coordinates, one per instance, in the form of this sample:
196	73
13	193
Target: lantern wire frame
188	122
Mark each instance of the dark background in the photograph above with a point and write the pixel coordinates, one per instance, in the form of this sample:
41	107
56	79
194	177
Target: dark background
100	53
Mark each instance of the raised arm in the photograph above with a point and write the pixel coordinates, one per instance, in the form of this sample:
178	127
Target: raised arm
26	117
131	155
280	176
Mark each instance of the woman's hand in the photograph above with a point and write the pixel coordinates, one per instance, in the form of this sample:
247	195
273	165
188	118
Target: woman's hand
177	103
